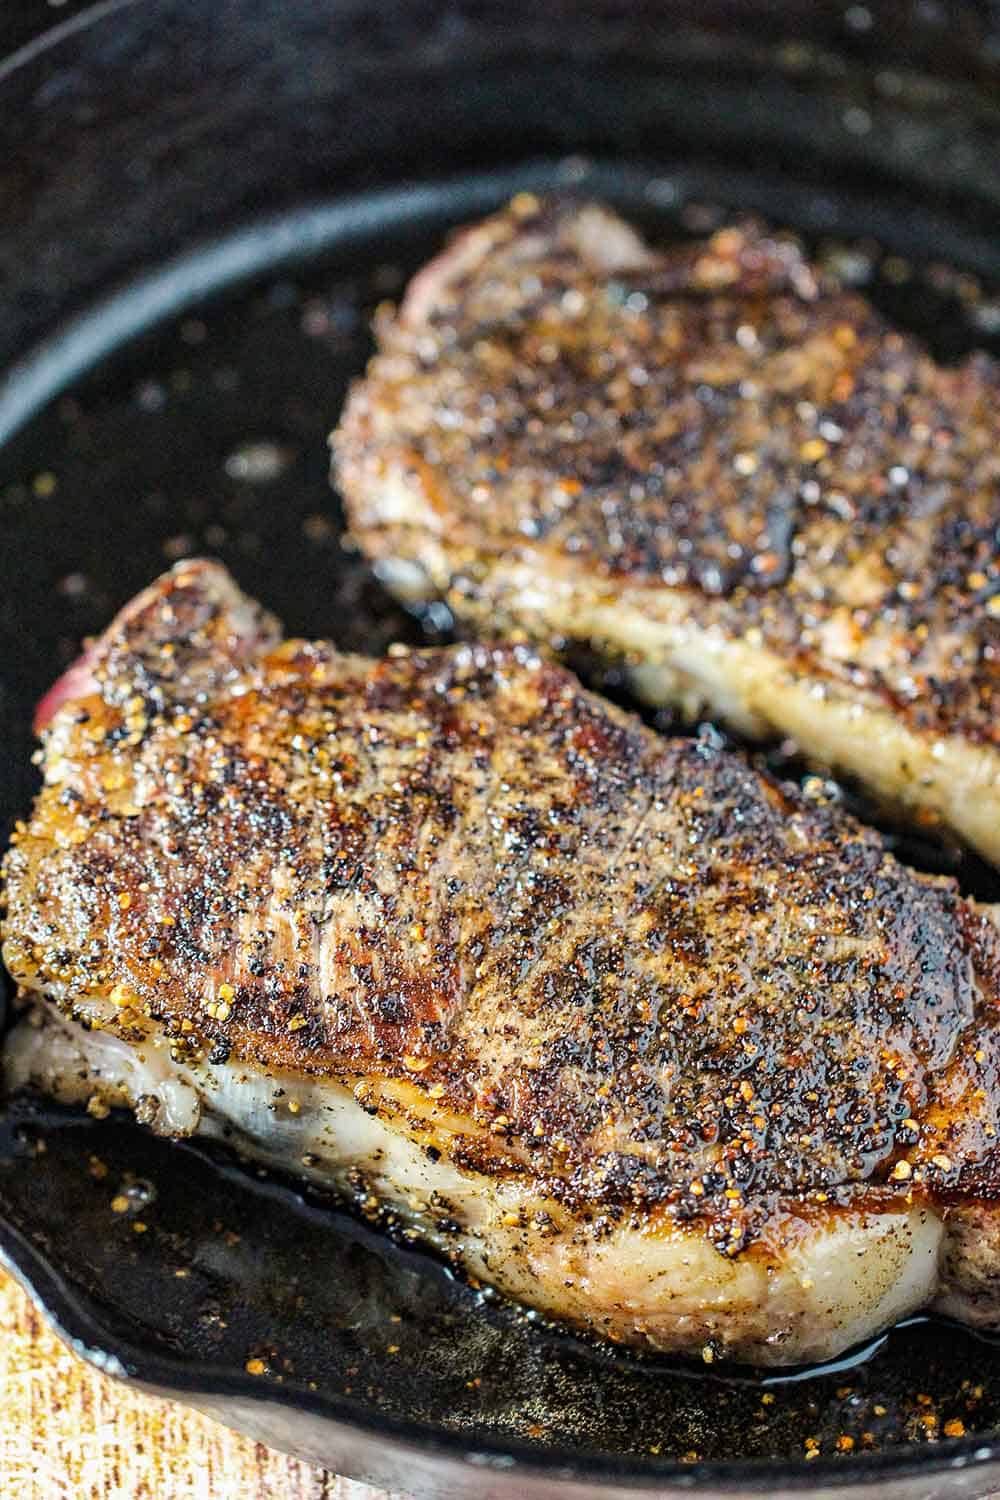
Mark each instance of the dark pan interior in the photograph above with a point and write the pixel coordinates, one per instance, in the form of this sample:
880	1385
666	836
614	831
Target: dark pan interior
191	418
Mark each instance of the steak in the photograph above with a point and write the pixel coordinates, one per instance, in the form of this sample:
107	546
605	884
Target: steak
645	1039
711	466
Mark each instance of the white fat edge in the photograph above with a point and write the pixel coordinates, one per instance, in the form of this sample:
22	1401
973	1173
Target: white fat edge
72	1064
277	1118
663	1285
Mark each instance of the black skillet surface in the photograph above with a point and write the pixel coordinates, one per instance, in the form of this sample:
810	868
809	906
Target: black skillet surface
205	433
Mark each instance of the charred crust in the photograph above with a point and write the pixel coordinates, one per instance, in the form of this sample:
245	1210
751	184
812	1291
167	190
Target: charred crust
632	969
713	421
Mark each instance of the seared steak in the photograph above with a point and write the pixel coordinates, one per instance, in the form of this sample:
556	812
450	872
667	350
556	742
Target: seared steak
712	466
647	1040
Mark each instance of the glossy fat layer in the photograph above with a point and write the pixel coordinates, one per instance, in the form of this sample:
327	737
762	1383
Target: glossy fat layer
627	980
717	434
833	1285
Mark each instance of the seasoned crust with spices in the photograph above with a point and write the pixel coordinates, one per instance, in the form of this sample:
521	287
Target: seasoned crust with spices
712	465
679	1053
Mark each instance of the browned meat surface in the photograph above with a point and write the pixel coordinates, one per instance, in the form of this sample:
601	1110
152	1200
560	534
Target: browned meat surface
677	1053
710	465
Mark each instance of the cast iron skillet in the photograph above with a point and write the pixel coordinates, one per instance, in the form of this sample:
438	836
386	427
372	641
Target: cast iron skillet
201	204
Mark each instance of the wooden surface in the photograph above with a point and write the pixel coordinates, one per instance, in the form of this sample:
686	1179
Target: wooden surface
68	1433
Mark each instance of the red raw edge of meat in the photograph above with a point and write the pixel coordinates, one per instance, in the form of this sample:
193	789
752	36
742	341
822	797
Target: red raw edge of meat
76	682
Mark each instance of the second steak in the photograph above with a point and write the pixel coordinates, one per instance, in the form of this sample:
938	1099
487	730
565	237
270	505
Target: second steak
710	465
